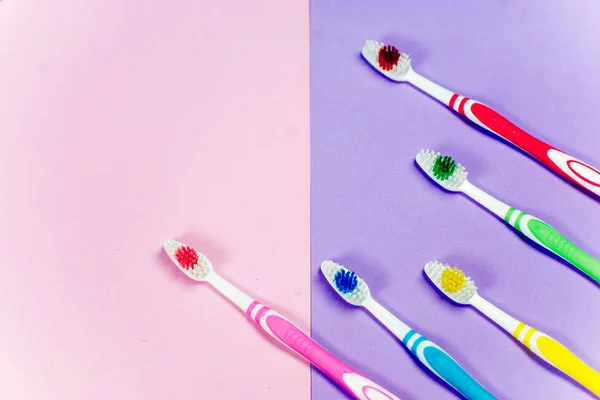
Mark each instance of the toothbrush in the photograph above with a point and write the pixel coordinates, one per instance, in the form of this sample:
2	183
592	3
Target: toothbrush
461	289
453	177
397	67
355	291
198	267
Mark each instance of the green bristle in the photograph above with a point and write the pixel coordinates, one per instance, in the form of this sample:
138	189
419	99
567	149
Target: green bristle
444	167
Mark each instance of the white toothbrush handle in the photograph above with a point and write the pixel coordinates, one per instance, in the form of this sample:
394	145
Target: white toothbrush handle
431	355
488	201
505	321
429	87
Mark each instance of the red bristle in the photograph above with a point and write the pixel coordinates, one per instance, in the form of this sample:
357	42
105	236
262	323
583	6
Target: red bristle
187	257
388	57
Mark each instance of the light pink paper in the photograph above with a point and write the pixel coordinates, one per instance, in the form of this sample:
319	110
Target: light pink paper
122	124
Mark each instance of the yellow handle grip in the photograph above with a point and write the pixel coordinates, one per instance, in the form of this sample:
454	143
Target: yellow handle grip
563	359
558	356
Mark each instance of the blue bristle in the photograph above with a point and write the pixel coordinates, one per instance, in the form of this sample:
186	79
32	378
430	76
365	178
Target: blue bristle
345	281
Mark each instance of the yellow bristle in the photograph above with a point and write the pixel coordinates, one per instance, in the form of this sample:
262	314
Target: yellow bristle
453	280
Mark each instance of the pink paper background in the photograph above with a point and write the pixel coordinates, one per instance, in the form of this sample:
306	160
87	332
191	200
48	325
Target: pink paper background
122	123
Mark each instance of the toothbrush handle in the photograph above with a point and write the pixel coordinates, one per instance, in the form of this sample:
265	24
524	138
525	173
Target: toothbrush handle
560	162
548	237
443	365
557	355
291	336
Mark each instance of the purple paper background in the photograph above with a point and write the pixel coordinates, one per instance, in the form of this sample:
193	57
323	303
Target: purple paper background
537	62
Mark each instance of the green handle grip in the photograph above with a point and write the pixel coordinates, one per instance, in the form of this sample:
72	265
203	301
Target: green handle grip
557	243
548	237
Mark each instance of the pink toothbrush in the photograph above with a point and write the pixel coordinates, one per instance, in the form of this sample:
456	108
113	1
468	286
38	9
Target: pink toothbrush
397	66
198	267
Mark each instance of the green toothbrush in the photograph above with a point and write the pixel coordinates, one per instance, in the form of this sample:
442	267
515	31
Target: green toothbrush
453	177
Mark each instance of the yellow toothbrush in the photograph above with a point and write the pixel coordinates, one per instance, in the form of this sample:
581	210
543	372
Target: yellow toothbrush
461	289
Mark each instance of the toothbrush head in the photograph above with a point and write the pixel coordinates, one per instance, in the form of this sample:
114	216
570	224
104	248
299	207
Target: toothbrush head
387	60
451	281
193	263
346	283
442	169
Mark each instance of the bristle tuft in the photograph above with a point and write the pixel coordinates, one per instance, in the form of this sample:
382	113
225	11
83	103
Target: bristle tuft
187	257
442	169
346	283
388	57
451	281
193	263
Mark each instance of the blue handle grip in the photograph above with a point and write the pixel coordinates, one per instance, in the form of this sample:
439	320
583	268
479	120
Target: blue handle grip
444	366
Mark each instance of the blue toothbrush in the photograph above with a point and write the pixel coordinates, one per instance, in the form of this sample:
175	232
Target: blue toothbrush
356	292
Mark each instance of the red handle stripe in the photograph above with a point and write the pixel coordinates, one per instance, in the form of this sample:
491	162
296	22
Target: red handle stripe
457	103
452	100
461	105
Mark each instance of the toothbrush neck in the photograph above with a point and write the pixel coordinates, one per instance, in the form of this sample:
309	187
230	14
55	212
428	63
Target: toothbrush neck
501	318
235	295
389	320
486	200
434	90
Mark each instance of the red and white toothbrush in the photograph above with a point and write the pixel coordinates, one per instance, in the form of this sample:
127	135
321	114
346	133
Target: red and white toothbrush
196	266
397	66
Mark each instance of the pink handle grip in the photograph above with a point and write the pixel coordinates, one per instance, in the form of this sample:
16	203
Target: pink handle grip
287	333
565	165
